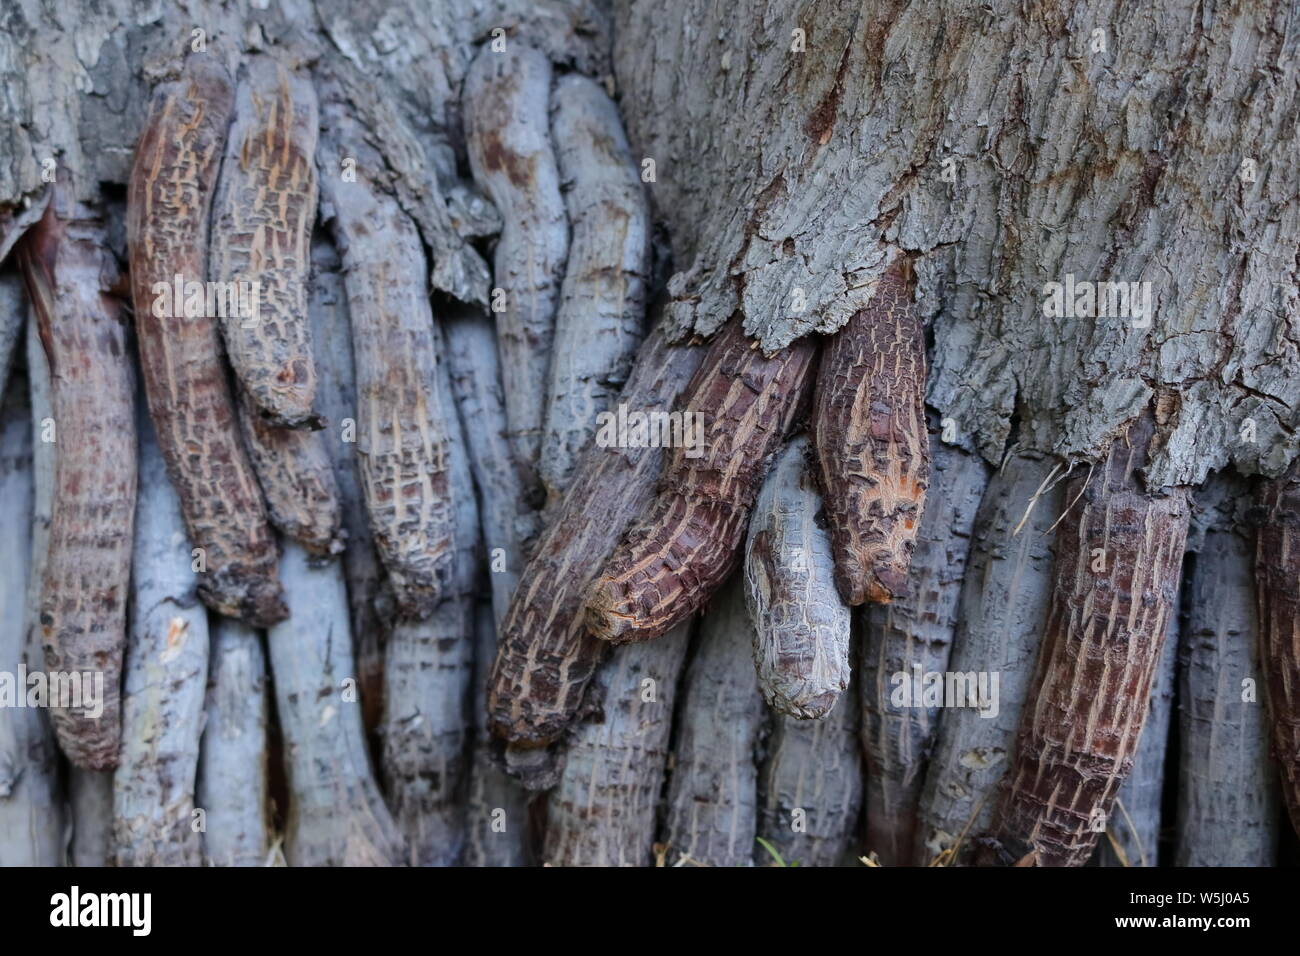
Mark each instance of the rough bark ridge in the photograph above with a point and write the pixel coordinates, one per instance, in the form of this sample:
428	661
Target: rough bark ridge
1277	591
68	271
1118	562
792	142
166	677
297	480
713	779
601	315
873	449
801	629
1000	619
401	424
169	194
1227	785
506	102
914	635
546	656
263	214
602	812
672	560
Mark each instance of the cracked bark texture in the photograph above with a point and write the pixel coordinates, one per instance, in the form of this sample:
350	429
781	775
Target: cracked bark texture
601	316
1119	552
801	629
164	684
232	779
955	130
31	801
712	810
401	424
546	657
82	612
263	213
914	633
169	195
873	449
1000	618
1277	595
602	811
679	552
505	105
1228	802
810	788
428	685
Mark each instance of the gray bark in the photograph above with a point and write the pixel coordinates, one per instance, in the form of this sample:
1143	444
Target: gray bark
810	788
910	635
164	682
505	102
336	400
713	782
336	815
476	383
1000	619
601	315
232	763
602	812
428	678
801	627
31	805
954	131
1228	802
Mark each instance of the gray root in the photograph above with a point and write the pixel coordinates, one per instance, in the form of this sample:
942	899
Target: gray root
428	680
505	104
508	523
913	636
31	805
601	316
336	815
165	681
232	783
602	812
801	627
401	434
336	399
1000	618
1228	799
810	788
712	814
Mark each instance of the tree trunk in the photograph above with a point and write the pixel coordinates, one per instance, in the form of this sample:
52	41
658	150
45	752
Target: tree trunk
798	160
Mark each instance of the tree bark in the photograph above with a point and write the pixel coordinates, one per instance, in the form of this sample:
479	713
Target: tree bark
1228	805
